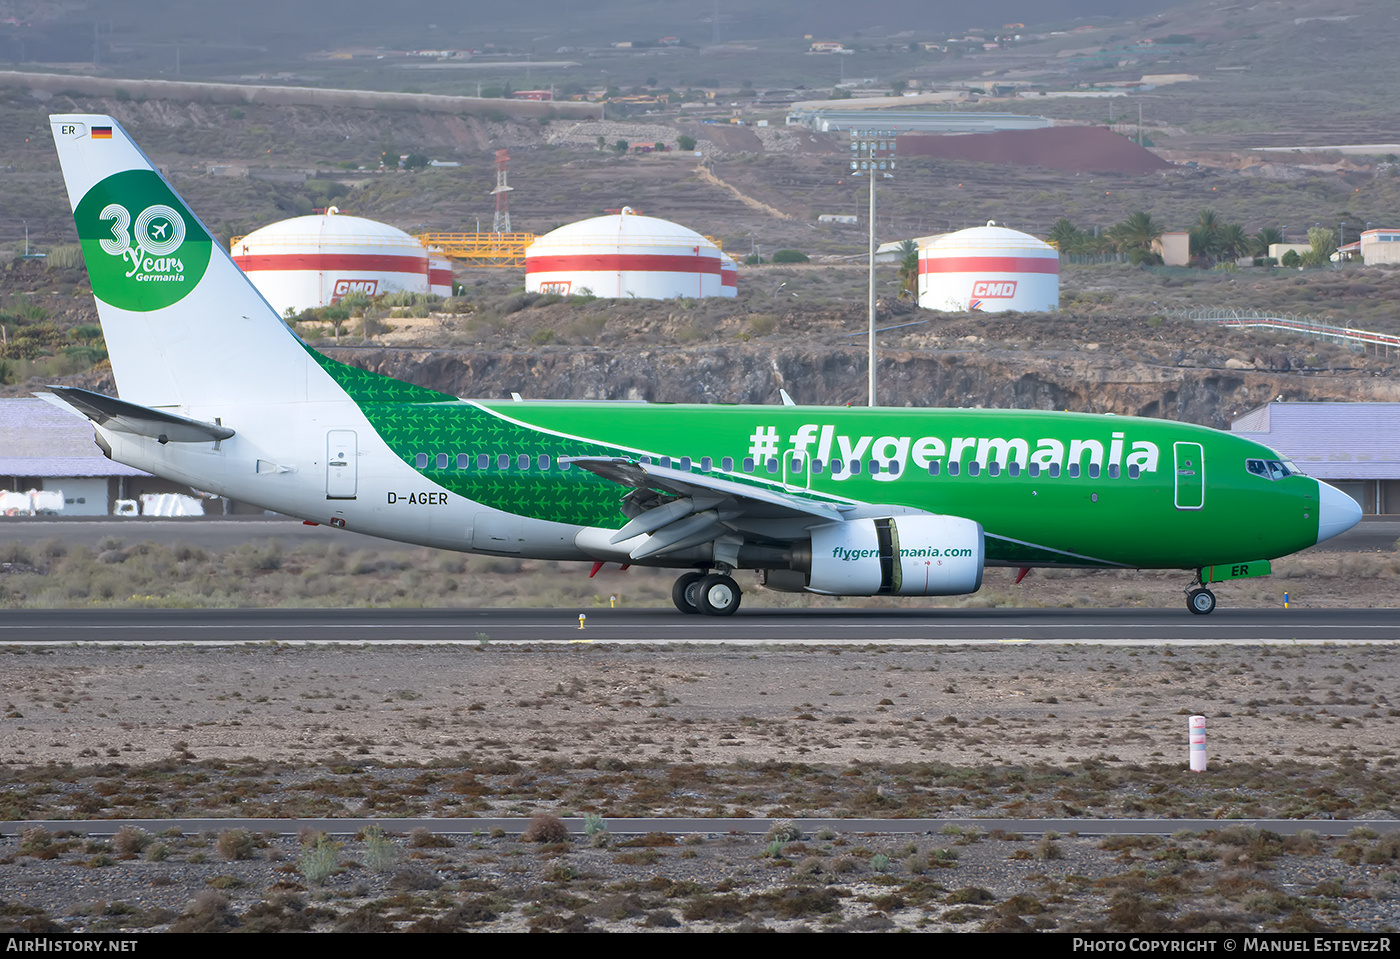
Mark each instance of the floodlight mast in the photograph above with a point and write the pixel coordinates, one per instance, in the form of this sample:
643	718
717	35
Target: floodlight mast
872	151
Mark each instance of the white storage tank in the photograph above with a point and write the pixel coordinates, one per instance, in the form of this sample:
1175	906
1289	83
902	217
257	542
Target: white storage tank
439	274
627	254
728	275
988	268
313	261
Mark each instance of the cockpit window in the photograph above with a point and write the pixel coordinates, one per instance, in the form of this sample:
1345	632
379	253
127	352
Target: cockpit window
1271	469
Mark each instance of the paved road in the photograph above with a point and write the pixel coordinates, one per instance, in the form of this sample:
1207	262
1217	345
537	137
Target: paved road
1370	535
760	626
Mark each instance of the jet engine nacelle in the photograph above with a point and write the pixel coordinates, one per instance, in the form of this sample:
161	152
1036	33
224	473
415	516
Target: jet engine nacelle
916	555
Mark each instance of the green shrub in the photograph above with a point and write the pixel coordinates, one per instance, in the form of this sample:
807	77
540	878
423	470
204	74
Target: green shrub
319	860
791	256
380	852
66	257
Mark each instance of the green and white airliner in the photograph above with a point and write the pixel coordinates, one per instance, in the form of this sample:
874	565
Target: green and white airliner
217	391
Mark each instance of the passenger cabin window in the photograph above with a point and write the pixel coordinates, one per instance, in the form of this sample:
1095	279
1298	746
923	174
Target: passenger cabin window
1033	470
503	461
684	465
933	467
483	461
1093	471
974	468
705	464
1133	471
993	468
442	461
1054	470
748	464
1113	471
894	468
952	467
463	461
1074	471
544	461
816	466
523	461
421	461
727	464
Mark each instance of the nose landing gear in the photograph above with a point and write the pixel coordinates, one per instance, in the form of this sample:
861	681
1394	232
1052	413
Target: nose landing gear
1200	601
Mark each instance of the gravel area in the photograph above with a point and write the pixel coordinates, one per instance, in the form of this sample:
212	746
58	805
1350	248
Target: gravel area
996	732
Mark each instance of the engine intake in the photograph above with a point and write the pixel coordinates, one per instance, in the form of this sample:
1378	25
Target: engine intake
920	555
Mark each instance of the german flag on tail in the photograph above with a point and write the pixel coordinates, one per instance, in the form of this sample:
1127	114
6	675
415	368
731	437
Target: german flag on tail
102	133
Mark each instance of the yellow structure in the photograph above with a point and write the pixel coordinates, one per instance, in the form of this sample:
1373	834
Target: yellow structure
480	249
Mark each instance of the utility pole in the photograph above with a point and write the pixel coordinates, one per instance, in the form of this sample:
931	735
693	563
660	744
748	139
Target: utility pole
872	155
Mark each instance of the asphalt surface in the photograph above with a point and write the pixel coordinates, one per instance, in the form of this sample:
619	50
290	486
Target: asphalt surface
756	626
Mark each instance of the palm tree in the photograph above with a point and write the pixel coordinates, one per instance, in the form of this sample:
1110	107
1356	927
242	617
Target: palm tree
1065	236
909	268
1206	236
1259	243
1234	242
1135	236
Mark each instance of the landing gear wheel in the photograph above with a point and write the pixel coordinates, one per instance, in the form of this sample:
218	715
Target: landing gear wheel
685	592
1200	601
718	595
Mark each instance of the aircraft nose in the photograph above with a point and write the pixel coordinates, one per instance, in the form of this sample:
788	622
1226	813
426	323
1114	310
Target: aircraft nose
1336	512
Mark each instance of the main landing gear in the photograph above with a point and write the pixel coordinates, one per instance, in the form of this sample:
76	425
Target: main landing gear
708	592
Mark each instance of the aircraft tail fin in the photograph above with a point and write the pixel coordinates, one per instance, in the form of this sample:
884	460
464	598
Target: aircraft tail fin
183	325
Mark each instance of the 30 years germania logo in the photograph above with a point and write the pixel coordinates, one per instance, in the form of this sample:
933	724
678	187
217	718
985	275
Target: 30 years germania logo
144	251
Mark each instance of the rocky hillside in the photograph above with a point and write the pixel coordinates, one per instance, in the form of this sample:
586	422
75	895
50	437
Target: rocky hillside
1110	349
1209	386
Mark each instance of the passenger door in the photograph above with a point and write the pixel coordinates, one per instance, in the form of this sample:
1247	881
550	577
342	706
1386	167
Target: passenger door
1190	475
342	471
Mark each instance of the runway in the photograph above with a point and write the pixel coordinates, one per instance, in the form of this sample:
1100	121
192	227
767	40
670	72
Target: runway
666	626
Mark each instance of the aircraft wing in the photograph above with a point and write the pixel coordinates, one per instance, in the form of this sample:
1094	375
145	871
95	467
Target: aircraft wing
674	509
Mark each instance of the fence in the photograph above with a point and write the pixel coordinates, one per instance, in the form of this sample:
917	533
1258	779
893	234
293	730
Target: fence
1306	326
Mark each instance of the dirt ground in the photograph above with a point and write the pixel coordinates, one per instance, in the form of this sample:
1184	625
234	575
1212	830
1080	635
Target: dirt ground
972	705
992	732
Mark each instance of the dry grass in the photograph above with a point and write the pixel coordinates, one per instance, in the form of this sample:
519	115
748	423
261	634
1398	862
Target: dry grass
145	575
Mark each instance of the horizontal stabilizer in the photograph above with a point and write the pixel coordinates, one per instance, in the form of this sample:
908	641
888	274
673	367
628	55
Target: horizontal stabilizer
124	417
